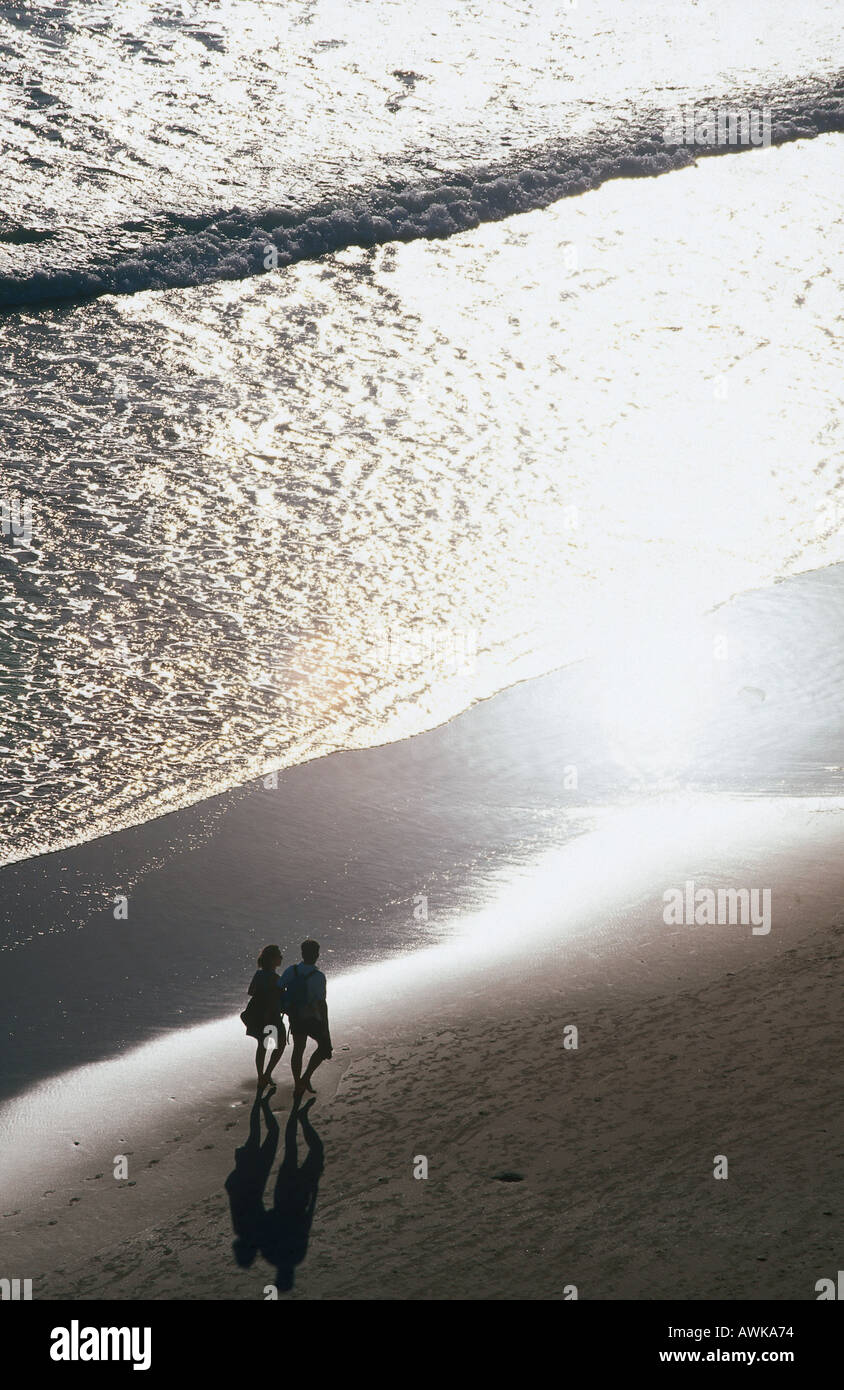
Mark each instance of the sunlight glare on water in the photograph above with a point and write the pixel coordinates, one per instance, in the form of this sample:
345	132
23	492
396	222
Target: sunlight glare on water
336	505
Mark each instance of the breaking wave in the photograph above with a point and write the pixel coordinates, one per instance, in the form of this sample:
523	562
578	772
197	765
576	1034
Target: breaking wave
181	252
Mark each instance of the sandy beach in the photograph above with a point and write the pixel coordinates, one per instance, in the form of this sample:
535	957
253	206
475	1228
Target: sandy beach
474	907
422	531
692	1042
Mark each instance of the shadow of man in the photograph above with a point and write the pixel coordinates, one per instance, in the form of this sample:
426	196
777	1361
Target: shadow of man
246	1182
287	1227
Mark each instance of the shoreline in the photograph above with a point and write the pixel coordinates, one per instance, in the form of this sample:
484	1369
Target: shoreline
423	531
382	850
455	1054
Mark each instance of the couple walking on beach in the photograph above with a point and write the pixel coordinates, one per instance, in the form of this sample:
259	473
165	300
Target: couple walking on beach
300	994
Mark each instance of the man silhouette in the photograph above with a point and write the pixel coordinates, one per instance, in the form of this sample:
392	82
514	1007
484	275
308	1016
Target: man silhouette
305	1006
286	1226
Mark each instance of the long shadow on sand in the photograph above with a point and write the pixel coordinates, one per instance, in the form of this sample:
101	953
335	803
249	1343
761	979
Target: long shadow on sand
280	1233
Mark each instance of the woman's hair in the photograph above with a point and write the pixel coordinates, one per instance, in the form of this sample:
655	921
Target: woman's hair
269	957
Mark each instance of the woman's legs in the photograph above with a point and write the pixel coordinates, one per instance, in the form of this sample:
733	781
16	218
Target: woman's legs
273	1059
265	1076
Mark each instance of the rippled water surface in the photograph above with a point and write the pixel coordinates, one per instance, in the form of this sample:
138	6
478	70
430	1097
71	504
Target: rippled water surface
155	145
325	506
336	504
115	109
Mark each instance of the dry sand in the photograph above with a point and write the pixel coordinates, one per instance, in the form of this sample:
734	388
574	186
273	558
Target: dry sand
693	1042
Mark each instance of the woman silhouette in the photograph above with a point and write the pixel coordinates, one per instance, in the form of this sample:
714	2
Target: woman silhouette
262	1015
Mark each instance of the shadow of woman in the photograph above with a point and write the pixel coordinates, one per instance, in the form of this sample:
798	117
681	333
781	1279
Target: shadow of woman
286	1228
246	1182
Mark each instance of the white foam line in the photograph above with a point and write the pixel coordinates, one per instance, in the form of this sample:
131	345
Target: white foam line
238	244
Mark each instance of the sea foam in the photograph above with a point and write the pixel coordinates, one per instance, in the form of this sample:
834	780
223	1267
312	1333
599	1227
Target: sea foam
240	243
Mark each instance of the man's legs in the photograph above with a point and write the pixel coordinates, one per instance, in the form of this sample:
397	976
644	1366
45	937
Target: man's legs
316	1058
299	1040
323	1051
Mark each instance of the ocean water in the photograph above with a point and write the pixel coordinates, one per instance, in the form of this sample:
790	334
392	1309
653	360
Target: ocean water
155	144
350	372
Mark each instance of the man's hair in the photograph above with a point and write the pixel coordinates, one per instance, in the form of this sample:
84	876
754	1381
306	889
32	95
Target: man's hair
310	951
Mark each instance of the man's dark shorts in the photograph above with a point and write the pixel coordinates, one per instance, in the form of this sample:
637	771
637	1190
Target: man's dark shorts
312	1028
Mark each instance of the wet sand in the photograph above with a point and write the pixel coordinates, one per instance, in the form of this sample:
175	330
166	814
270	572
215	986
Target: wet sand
693	1042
